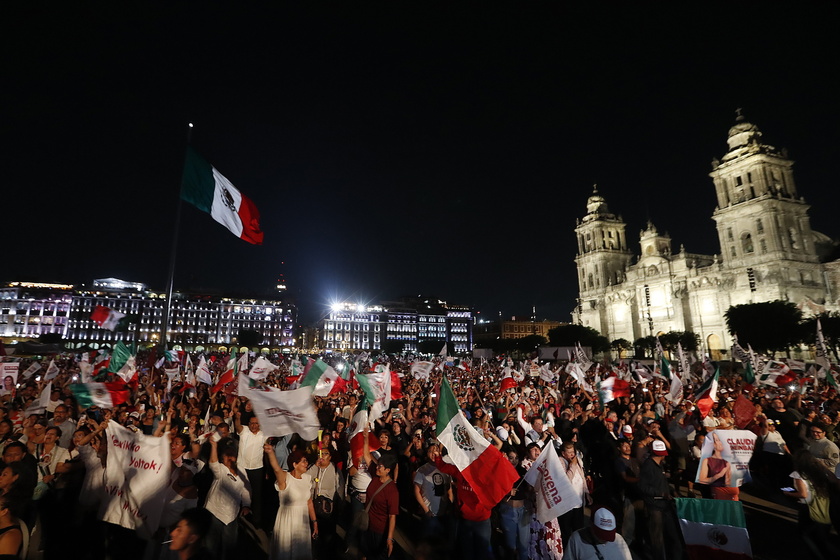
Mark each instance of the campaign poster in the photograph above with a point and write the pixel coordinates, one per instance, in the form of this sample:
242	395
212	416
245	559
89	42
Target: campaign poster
725	458
8	377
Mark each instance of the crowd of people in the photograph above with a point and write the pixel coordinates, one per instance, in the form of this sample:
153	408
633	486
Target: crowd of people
235	490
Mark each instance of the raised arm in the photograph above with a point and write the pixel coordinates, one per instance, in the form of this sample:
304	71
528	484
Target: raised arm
275	466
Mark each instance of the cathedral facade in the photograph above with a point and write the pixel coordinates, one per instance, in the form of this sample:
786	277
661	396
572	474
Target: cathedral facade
768	251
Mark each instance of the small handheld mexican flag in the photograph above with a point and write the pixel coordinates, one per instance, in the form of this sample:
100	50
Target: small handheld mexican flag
487	471
103	395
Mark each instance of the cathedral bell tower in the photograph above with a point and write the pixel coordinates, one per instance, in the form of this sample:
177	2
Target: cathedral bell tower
759	214
603	254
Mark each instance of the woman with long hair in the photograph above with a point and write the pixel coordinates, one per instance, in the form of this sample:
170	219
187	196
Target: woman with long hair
812	487
11	533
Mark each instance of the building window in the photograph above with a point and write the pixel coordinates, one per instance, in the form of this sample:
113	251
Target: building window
759	226
746	243
732	251
729	235
763	245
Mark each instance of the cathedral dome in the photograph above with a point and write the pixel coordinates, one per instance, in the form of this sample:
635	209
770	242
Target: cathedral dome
596	203
742	133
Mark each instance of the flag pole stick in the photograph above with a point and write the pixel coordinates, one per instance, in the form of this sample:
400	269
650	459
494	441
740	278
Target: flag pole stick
167	307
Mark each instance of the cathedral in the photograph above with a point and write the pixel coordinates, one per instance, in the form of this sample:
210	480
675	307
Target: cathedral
768	251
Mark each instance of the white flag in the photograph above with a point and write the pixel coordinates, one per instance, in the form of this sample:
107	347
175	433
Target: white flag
285	412
554	493
421	370
31	370
822	350
261	368
52	371
86	371
129	368
202	372
40	406
136	479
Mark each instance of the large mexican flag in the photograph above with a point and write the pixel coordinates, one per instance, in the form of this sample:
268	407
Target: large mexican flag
714	529
488	472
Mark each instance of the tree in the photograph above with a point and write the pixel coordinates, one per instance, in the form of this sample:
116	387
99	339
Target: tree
772	326
621	345
393	346
830	323
689	341
50	338
645	346
570	335
249	338
432	347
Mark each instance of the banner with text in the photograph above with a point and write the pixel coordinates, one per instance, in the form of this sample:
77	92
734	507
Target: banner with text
136	479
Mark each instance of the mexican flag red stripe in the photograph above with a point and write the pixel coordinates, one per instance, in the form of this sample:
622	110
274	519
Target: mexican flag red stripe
488	472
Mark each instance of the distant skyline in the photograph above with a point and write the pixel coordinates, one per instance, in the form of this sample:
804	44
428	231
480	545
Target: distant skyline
394	151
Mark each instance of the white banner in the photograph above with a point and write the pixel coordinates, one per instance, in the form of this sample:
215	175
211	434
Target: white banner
136	479
284	412
725	458
554	493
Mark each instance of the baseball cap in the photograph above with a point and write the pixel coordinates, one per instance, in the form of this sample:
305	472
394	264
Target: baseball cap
658	448
502	433
603	524
628	429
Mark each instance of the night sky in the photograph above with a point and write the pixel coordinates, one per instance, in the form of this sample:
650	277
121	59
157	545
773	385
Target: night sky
434	150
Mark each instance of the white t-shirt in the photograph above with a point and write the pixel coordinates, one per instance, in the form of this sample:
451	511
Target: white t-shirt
228	493
579	550
773	443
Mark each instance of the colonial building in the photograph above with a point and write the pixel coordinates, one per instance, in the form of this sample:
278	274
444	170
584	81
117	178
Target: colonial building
768	251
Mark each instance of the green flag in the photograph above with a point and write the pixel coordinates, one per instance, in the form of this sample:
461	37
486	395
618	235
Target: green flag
119	357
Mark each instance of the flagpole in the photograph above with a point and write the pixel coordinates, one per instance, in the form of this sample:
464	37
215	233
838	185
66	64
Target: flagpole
164	328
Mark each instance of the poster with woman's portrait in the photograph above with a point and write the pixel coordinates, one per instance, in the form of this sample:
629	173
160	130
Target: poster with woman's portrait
725	458
8	376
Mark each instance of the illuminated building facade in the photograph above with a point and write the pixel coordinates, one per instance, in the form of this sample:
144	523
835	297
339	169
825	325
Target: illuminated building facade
29	310
768	251
410	321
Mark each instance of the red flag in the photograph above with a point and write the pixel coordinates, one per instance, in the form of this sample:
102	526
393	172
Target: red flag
226	378
621	388
744	412
508	383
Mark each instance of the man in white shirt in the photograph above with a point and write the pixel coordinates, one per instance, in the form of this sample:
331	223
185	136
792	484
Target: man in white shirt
250	459
228	498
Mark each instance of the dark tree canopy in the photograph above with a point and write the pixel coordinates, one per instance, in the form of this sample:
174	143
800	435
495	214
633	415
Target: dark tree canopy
689	341
249	338
830	323
432	347
569	335
772	326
